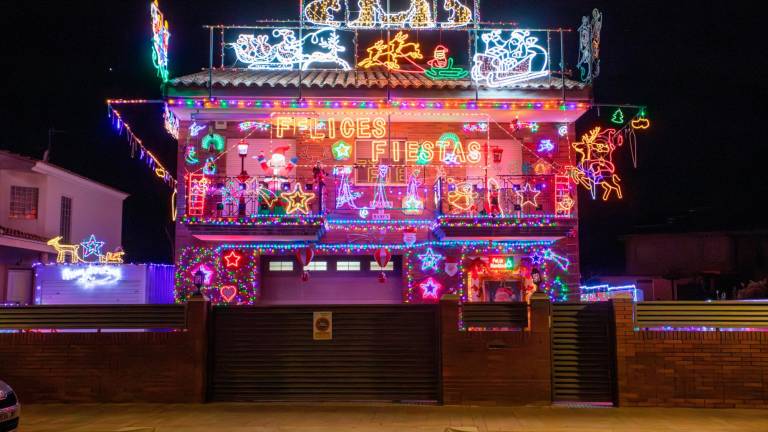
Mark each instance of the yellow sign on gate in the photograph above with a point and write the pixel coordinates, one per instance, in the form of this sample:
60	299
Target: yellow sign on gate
322	325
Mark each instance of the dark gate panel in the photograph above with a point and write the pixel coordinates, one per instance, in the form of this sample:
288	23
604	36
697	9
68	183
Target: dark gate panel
378	353
583	353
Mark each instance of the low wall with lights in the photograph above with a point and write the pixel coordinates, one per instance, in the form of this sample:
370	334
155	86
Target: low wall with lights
697	367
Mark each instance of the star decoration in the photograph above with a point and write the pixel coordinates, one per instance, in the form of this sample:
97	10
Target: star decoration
527	195
412	204
297	200
341	151
429	288
536	258
429	260
232	259
92	246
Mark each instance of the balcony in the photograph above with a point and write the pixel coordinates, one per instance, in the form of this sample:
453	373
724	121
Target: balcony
514	207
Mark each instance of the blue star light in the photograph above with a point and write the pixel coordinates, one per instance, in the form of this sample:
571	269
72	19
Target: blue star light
429	260
429	288
92	246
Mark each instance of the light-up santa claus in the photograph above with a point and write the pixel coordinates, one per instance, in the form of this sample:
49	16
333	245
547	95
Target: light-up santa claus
277	164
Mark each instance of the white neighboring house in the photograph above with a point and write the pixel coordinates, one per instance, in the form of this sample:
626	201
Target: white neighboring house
39	201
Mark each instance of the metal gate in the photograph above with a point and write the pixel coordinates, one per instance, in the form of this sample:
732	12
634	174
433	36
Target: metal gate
377	353
583	353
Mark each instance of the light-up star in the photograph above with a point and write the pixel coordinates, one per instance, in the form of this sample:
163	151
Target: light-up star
429	288
92	246
341	151
297	200
527	195
429	260
412	204
232	259
536	258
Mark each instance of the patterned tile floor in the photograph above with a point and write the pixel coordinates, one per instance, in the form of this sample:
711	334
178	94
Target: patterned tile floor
380	418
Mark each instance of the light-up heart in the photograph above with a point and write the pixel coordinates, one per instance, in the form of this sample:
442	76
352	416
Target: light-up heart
641	123
228	292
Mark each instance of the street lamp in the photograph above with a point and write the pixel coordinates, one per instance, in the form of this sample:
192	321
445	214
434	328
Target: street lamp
242	151
199	277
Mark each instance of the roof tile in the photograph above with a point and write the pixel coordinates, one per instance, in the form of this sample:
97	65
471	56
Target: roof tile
345	79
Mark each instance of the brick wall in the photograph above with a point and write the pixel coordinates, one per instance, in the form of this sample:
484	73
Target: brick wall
496	368
689	369
109	367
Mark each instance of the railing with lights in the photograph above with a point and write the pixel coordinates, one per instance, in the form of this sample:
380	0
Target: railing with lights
500	201
510	197
249	199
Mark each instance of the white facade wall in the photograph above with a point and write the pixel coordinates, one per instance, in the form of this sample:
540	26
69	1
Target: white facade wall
96	209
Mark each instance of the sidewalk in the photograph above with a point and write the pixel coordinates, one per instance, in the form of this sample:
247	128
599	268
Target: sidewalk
380	418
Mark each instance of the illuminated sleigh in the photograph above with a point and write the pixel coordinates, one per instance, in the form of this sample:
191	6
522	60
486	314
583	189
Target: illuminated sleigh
509	61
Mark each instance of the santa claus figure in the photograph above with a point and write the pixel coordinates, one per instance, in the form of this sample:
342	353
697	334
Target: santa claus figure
277	164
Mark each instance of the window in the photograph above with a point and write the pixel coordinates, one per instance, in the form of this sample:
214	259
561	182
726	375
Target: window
348	265
376	267
317	266
281	266
65	218
23	202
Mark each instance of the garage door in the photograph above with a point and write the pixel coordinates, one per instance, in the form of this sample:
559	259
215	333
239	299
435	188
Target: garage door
377	353
333	280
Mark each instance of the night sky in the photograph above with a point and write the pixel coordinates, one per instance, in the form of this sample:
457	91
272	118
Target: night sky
700	69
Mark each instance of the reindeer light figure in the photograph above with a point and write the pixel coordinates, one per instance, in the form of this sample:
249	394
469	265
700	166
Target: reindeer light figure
62	250
389	54
595	166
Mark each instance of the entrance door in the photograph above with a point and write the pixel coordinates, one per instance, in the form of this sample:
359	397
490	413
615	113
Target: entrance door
377	353
332	280
19	286
583	353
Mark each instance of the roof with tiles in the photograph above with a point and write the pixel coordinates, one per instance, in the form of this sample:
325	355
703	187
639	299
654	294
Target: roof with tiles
349	79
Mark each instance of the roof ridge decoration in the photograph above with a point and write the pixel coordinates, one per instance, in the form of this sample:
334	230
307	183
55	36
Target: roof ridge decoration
372	14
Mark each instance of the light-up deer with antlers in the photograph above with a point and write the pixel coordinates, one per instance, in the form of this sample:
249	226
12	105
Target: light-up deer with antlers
62	250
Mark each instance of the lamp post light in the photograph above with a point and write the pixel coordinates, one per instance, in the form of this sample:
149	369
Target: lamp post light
199	277
242	151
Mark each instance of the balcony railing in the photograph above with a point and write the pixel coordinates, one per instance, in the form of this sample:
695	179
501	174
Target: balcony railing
515	197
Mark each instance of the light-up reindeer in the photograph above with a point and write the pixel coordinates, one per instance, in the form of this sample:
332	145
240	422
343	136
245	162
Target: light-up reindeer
321	12
458	14
389	54
595	166
63	250
331	43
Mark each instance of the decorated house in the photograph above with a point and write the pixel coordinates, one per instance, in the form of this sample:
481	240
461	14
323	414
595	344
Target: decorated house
363	155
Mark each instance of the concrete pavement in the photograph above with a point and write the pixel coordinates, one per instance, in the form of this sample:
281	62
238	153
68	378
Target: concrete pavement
380	418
